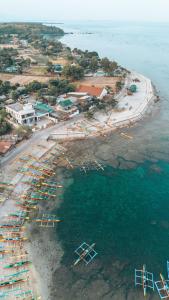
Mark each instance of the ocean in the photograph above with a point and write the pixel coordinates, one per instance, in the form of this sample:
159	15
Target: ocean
124	209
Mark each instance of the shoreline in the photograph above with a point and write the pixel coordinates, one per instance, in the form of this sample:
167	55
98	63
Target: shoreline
40	154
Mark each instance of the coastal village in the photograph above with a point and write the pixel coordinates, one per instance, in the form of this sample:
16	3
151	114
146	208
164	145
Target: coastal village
50	93
57	85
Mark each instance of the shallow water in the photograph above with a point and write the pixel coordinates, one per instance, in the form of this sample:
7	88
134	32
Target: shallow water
125	212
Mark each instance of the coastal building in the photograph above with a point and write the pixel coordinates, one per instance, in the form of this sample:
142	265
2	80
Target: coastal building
100	73
67	106
93	91
23	114
12	69
57	68
30	113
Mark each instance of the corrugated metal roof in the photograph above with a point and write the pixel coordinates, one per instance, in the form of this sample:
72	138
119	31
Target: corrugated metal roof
66	103
43	107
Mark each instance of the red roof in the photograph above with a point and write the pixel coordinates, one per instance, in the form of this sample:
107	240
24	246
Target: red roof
5	146
91	90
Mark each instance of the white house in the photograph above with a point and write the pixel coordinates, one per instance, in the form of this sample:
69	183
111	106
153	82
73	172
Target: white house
22	114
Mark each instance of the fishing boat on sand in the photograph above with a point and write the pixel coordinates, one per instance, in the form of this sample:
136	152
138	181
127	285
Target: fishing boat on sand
12	282
10	225
14	239
18	264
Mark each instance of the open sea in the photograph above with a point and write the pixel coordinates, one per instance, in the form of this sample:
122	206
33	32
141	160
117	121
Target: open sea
125	211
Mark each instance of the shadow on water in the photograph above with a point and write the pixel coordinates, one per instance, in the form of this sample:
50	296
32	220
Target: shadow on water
125	212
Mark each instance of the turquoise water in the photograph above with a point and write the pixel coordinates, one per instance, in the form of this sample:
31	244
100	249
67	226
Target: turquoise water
125	212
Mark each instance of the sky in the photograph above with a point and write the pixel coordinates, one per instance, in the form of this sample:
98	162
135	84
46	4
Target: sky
62	10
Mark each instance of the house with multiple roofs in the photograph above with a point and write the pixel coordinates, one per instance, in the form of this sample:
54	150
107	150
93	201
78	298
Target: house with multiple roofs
29	114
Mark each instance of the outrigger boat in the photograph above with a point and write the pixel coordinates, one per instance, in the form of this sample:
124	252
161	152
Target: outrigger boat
18	256
28	183
14	274
27	206
6	183
34	175
46	221
32	198
5	251
163	287
48	184
10	225
12	282
52	189
46	194
18	214
15	239
25	295
85	253
18	264
38	197
41	169
31	202
144	279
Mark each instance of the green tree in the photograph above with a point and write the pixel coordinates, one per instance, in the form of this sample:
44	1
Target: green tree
105	63
108	66
119	85
113	102
74	72
23	131
94	64
70	57
14	95
34	86
5	127
49	67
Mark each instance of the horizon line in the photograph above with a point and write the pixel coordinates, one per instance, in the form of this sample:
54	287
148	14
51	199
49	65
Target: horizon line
80	20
